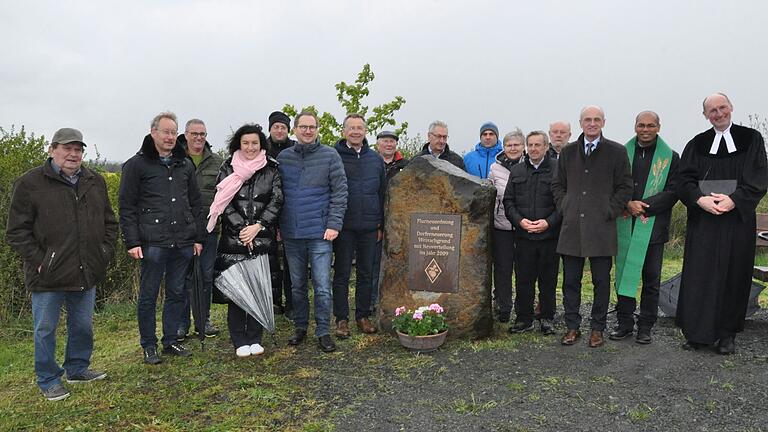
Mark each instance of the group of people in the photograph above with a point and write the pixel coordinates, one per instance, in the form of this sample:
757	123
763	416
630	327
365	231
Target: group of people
282	207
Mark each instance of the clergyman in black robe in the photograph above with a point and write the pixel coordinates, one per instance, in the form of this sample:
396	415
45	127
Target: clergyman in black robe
720	238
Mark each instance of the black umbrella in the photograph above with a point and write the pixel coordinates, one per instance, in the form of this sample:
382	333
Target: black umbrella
199	302
670	290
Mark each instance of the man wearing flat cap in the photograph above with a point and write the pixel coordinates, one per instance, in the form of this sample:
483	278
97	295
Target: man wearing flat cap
394	162
386	145
62	225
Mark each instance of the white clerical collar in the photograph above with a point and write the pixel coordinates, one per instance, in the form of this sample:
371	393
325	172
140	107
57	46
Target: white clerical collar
729	144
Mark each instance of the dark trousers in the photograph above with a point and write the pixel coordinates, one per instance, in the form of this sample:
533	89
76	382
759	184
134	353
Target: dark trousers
649	296
535	260
348	245
503	244
243	328
207	258
281	284
573	270
375	276
158	263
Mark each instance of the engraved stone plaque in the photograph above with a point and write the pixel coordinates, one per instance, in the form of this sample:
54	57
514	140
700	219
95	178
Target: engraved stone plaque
435	242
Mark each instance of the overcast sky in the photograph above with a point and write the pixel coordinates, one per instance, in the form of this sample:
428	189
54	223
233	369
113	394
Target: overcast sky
108	67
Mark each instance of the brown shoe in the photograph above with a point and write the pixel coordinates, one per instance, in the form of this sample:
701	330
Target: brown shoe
571	337
342	329
366	326
596	339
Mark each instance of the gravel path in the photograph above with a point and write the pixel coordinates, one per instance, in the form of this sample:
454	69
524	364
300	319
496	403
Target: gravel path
531	383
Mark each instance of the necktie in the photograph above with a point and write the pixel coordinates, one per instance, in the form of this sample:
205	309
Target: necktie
589	148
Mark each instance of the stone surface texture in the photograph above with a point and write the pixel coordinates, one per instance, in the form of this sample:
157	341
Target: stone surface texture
430	185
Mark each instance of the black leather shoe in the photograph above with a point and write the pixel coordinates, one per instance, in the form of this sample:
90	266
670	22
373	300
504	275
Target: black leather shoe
151	357
176	349
620	333
521	327
726	345
547	327
643	336
692	346
298	336
326	343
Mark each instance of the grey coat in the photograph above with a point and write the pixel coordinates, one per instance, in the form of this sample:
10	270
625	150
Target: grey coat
590	193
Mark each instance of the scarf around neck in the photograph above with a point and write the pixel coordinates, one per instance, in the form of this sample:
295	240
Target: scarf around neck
242	170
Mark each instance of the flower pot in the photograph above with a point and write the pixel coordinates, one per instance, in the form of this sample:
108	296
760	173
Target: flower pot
422	344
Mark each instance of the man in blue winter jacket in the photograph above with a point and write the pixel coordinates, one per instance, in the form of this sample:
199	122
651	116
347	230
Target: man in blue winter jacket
315	191
478	162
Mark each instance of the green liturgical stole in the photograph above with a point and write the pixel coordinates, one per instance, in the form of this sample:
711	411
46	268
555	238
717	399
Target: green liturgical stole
633	244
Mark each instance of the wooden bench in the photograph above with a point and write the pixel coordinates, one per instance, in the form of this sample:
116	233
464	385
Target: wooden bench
761	273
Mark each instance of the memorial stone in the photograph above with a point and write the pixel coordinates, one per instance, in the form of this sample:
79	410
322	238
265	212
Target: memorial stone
436	246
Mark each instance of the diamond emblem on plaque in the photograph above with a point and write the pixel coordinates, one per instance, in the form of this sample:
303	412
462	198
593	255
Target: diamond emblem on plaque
433	270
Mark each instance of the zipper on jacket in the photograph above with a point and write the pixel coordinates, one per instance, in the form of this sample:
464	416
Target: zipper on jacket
50	261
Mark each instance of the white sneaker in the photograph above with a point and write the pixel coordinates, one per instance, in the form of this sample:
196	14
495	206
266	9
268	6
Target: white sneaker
243	351
257	349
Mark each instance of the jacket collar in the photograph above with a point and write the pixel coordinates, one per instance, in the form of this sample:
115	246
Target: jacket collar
489	151
148	150
306	148
343	147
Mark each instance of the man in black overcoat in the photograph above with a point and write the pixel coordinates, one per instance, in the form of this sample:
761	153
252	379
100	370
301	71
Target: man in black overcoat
591	188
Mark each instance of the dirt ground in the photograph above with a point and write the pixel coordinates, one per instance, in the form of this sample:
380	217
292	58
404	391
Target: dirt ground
530	382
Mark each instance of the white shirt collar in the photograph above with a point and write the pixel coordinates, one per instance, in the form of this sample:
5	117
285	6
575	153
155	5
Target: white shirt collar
587	142
729	144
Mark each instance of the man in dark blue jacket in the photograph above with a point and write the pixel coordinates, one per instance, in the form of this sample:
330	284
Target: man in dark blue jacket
366	182
315	191
162	223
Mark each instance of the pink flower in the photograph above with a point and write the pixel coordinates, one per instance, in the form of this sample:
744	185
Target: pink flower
436	308
399	311
417	316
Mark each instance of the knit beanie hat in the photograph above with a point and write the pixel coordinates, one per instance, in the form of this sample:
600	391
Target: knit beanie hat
281	117
491	127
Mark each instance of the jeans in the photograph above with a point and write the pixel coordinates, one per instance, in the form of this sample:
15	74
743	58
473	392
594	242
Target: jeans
348	244
46	309
649	297
207	259
318	254
172	263
573	269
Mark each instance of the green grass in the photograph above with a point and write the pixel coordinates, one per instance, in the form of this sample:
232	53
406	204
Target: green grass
213	390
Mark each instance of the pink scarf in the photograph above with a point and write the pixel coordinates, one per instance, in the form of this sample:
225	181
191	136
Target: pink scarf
243	170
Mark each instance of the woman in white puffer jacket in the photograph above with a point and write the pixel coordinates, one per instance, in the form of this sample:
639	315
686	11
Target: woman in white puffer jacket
503	241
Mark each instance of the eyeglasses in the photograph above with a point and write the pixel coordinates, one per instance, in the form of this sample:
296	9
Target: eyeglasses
167	132
198	134
440	137
646	126
305	128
